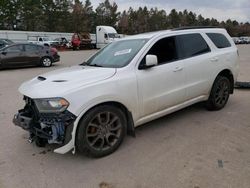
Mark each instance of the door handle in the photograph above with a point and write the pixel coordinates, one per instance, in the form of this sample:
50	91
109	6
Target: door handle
214	59
176	69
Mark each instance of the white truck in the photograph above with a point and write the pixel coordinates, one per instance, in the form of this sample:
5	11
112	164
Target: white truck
42	41
104	35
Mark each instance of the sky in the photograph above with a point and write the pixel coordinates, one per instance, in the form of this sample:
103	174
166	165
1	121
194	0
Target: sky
220	9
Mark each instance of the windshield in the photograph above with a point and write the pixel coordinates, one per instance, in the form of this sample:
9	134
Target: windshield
8	41
117	54
45	39
113	35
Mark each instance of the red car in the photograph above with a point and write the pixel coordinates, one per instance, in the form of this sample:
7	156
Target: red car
79	41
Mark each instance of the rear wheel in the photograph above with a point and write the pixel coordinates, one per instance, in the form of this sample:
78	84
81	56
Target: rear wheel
101	131
46	62
219	94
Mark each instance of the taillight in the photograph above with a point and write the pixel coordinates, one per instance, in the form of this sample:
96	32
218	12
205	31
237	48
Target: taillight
53	51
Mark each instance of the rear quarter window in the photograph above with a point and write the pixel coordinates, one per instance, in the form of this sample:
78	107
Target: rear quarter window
30	48
191	45
219	40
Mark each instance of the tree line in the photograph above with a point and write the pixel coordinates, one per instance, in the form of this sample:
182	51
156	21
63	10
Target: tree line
78	16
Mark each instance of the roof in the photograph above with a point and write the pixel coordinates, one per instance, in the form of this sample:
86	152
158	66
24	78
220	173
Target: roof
176	31
108	29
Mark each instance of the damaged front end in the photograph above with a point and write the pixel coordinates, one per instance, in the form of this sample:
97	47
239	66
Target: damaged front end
46	121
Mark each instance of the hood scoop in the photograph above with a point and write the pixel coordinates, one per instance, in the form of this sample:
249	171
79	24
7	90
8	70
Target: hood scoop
41	78
59	80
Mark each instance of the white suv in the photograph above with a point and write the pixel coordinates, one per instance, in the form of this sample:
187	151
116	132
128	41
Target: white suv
91	107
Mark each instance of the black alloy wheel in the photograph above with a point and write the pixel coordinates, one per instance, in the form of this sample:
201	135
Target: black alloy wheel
101	131
219	94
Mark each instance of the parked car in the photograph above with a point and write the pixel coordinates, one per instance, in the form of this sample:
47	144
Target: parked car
237	40
245	40
80	41
62	42
91	107
5	42
46	41
26	54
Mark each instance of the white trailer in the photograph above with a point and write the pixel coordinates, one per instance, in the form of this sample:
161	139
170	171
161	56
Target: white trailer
25	36
105	35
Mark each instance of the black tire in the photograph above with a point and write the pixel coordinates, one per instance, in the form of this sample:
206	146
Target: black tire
46	62
101	131
219	94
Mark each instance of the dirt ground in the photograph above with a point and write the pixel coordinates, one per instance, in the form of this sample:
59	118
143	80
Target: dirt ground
192	148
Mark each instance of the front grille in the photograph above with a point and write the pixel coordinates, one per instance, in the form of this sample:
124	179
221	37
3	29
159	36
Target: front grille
53	127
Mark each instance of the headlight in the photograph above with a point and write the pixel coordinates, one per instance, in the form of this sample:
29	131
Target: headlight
52	105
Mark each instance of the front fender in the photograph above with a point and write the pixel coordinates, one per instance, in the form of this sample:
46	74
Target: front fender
97	101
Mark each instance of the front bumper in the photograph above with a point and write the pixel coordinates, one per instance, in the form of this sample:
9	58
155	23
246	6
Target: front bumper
49	128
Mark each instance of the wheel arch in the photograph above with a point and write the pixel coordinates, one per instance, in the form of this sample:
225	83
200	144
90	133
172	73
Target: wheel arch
45	56
128	114
227	73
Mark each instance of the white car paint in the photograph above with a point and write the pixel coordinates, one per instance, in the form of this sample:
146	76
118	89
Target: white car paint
148	94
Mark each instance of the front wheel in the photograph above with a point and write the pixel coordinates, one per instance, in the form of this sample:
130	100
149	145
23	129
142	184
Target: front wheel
46	62
101	131
219	94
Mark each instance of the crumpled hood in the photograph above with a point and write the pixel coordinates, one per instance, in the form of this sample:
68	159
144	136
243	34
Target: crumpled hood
59	82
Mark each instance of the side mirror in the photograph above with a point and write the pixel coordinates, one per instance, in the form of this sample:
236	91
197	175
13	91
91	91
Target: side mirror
151	60
106	36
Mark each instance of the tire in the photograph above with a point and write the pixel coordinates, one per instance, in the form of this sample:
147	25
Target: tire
219	94
101	131
46	62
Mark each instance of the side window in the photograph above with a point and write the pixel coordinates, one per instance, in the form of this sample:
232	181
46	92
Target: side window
16	48
165	50
192	45
219	40
106	36
30	48
39	48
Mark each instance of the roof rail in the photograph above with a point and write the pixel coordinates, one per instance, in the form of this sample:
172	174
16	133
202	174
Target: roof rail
194	27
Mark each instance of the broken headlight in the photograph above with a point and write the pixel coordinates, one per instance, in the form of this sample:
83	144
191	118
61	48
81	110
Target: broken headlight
51	105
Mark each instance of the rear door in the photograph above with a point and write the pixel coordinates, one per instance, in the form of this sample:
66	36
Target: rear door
197	57
32	54
13	56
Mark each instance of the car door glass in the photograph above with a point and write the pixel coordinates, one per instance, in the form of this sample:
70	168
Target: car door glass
16	48
192	45
164	49
31	48
219	40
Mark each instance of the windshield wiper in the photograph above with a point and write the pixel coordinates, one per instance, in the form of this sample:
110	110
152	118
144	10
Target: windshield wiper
84	63
94	65
91	65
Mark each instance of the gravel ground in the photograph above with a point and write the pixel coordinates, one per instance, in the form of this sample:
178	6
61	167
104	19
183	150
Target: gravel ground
191	148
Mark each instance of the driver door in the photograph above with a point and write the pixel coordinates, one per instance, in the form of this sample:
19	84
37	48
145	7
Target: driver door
162	86
13	56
